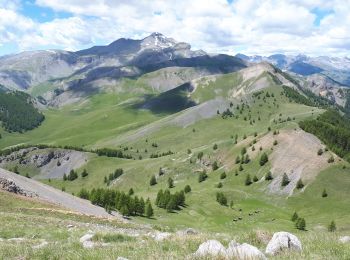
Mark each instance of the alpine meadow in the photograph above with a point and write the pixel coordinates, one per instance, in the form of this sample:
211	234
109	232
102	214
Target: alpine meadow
144	147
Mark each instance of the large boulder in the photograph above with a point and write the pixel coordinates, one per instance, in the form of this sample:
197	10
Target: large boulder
243	251
283	241
211	248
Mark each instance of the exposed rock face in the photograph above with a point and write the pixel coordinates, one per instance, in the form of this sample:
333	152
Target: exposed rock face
243	251
211	248
10	186
283	241
51	163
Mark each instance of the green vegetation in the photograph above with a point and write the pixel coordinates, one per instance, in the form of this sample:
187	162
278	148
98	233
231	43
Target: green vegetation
18	113
333	129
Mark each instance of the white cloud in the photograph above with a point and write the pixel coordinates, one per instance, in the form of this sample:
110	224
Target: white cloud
251	26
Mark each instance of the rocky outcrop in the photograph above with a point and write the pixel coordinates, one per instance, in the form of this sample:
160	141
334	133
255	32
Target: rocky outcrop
211	248
10	186
243	251
283	241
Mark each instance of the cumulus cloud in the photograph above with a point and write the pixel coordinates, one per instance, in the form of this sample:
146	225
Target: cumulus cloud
249	26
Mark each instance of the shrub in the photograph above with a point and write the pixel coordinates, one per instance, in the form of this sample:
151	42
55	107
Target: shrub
170	183
219	185
215	147
331	159
320	152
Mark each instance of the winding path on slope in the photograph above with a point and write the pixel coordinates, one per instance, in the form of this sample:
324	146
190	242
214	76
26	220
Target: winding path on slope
55	196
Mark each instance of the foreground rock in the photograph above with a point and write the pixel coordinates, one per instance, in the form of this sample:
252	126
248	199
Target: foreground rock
345	239
86	240
243	251
211	248
283	241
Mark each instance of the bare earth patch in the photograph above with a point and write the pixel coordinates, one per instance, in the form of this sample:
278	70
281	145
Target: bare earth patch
296	155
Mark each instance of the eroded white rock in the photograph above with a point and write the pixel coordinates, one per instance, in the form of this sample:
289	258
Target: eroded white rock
211	248
243	251
283	241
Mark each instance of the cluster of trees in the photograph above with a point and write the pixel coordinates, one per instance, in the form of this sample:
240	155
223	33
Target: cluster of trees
112	176
126	204
227	113
112	153
221	198
169	201
71	176
300	223
18	113
333	129
157	155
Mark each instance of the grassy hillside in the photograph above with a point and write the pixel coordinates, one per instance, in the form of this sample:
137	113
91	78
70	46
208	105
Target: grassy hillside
259	114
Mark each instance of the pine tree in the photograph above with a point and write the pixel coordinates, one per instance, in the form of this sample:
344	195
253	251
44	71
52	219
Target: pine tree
219	185
187	188
268	176
124	210
240	168
171	205
222	175
248	180
149	209
215	166
320	151
153	181
300	184
215	147
243	151
202	176
200	156
170	183
84	173
285	180
131	191
324	193
332	227
255	178
238	159
246	159
263	159
301	224
64	177
295	217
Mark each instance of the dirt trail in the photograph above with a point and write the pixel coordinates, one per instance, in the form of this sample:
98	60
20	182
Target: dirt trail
54	196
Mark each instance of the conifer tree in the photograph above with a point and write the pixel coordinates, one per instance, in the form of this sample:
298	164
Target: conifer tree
248	180
285	180
187	188
301	224
268	176
295	217
300	184
153	181
240	168
170	183
215	166
255	178
324	193
332	227
263	159
223	175
149	209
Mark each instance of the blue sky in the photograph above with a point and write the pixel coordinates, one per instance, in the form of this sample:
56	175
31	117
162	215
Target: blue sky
313	27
